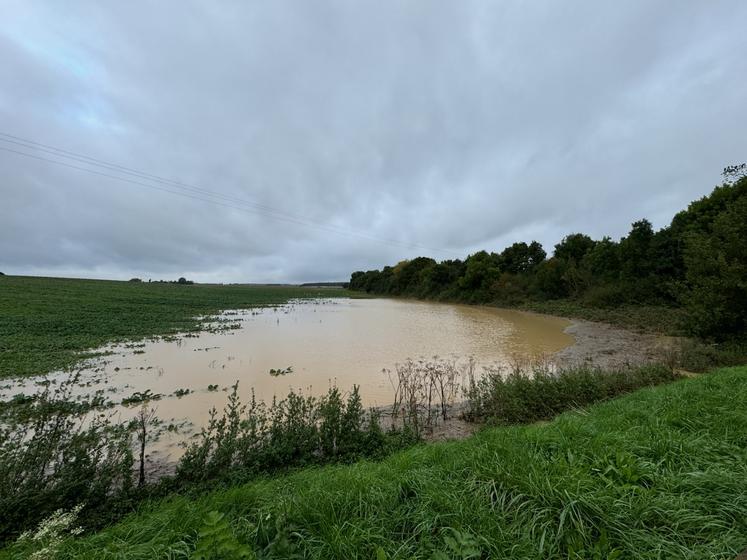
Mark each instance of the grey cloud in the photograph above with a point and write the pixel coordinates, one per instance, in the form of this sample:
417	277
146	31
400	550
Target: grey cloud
452	126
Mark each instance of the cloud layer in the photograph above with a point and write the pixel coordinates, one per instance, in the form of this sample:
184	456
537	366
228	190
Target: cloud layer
348	135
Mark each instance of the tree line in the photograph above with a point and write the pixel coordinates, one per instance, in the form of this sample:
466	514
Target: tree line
697	263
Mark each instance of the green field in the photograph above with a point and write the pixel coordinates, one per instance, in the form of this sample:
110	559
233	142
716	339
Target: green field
48	324
660	473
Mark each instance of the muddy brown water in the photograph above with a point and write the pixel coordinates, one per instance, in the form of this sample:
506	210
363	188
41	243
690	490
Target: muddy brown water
325	342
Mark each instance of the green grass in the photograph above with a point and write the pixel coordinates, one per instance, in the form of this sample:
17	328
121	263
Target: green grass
642	318
660	473
48	324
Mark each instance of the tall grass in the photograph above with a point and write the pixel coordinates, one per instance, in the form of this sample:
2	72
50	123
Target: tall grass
542	392
656	474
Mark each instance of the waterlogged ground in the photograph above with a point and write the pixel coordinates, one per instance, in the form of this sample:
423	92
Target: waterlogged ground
307	345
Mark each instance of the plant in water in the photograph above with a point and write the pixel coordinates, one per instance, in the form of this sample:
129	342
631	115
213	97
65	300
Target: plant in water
144	419
279	371
141	396
298	430
57	460
426	390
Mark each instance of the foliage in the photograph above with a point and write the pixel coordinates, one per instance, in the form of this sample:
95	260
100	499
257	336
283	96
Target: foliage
655	474
281	371
139	397
216	541
48	324
253	438
715	286
522	397
694	269
58	460
44	542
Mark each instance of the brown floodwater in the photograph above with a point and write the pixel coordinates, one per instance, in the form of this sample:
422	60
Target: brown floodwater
335	341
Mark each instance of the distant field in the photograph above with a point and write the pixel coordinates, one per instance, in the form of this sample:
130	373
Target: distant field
51	323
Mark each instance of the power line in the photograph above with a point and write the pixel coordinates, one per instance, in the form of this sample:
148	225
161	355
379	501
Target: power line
183	189
82	158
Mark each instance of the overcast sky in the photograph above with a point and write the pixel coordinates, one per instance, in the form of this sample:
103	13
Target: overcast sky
331	136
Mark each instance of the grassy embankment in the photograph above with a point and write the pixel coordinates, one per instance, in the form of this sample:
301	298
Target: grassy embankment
48	324
656	474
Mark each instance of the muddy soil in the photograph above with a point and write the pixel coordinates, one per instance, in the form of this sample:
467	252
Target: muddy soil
608	346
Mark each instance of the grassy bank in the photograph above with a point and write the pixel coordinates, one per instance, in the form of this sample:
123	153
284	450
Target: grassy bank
642	318
50	323
656	474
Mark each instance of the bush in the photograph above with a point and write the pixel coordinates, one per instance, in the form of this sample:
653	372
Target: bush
524	397
697	356
606	295
55	461
253	438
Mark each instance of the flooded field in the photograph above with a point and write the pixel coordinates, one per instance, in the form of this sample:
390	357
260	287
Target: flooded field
305	346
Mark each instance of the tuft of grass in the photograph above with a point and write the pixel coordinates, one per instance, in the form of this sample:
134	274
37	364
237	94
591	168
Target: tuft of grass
48	324
659	473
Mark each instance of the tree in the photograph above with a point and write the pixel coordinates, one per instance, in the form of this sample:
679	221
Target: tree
407	275
733	173
715	288
480	272
635	253
520	257
603	260
574	247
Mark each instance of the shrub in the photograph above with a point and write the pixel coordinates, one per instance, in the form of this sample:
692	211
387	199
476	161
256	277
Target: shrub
540	394
252	438
56	461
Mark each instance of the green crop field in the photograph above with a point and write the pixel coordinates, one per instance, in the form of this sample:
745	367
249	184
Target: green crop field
51	323
660	473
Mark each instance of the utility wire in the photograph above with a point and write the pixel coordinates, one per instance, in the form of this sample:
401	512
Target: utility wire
30	144
183	189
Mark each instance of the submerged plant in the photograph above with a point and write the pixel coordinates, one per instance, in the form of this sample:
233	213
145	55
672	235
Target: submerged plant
141	396
427	390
